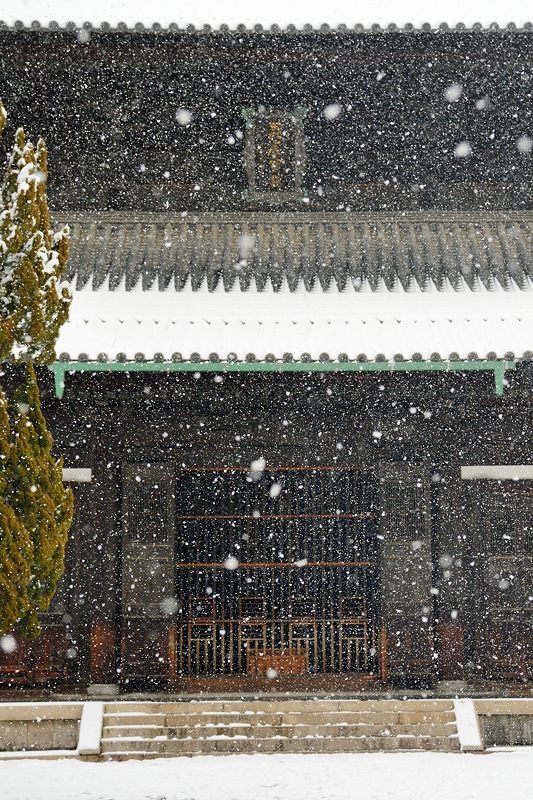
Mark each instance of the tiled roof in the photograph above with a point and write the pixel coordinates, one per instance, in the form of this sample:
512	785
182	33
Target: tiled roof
413	250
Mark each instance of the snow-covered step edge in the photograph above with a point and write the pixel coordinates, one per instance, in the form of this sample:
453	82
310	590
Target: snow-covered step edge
266	746
311	737
91	727
468	728
155	718
289	731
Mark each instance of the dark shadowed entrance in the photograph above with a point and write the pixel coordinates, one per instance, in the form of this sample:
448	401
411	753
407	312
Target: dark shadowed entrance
276	572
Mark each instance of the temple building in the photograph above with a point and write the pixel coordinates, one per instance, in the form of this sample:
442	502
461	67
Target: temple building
294	394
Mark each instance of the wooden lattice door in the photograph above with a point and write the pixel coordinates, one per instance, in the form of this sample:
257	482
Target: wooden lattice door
277	575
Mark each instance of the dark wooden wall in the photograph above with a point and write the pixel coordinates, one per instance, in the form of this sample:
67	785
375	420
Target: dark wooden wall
428	424
107	110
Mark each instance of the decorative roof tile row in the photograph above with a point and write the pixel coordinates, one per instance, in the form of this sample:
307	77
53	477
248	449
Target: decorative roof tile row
406	251
286	358
325	28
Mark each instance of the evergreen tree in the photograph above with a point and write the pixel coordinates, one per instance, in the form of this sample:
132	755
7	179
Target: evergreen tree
16	549
41	502
33	303
35	508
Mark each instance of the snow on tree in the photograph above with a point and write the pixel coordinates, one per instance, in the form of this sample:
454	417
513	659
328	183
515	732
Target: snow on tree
42	504
35	508
33	302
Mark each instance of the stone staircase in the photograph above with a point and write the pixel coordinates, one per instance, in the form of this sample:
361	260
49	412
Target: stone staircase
215	727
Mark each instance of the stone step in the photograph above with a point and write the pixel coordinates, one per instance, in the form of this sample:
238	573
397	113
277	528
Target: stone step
315	717
166	729
139	719
268	731
112	748
188	706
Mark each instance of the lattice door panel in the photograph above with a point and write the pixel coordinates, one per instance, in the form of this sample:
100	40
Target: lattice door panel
299	595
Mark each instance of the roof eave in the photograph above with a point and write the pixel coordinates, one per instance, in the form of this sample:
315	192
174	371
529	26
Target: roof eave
325	28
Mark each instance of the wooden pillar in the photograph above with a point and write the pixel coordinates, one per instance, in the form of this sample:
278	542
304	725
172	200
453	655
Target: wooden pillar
148	570
457	611
102	652
406	573
97	551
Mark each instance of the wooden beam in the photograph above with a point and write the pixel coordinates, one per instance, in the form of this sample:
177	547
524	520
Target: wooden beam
499	368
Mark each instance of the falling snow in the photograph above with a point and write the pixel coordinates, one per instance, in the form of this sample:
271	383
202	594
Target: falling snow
301	330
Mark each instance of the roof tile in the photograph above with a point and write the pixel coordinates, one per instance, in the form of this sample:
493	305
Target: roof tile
407	250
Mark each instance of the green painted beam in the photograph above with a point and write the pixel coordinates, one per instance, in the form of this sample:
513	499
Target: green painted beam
62	368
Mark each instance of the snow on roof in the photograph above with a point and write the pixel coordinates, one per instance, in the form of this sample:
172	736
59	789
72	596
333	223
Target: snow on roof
298	13
384	325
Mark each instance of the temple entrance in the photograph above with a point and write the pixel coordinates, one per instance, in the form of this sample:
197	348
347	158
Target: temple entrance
276	572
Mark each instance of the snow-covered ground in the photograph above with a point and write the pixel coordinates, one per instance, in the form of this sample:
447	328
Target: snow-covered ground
372	776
